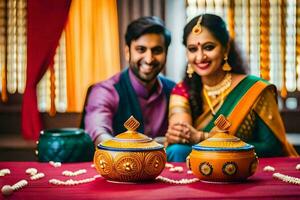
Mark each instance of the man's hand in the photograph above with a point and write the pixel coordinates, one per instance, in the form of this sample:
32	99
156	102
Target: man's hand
97	141
102	137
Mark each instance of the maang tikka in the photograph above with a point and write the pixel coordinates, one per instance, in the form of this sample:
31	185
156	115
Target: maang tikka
197	29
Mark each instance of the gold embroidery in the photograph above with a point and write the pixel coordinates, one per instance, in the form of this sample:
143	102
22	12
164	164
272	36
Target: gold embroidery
246	128
267	106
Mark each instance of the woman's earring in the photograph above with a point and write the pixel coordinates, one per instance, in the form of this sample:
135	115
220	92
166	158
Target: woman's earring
226	67
190	70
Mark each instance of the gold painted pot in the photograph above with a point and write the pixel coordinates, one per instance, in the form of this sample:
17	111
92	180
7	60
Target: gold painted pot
222	158
130	156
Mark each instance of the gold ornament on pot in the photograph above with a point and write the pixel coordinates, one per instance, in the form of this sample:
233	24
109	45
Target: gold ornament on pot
130	156
223	157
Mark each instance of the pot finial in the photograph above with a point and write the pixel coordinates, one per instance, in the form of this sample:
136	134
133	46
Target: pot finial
222	123
131	124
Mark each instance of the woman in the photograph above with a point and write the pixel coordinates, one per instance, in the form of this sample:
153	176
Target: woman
216	83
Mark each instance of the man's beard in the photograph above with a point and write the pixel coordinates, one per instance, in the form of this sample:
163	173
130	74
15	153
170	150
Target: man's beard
135	70
147	80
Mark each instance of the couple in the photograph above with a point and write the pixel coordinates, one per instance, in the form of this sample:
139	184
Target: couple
215	83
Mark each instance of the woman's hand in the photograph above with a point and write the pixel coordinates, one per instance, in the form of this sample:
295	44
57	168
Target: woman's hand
194	135
183	133
177	133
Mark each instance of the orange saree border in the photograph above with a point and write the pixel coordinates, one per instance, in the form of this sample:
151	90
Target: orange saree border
243	108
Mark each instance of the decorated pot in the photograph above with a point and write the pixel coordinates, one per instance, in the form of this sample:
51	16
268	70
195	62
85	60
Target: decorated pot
130	156
222	158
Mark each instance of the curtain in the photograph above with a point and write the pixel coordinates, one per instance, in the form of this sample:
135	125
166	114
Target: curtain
132	9
92	47
46	20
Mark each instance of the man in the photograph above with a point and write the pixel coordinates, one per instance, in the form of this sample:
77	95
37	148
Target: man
138	90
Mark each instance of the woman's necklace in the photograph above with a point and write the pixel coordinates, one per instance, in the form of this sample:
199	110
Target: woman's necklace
215	91
209	102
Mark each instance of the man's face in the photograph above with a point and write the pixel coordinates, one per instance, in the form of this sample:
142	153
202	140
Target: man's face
147	57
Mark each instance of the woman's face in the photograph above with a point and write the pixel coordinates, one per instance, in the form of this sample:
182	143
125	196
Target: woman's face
205	53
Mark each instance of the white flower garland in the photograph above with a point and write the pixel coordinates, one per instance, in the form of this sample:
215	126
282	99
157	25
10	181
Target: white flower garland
169	165
286	178
269	169
176	169
180	182
76	173
31	171
37	176
55	164
73	182
8	189
4	172
282	177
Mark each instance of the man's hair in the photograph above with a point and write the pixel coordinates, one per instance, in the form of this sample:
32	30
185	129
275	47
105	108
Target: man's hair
144	25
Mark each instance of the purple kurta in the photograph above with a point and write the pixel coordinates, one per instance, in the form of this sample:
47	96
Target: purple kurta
103	103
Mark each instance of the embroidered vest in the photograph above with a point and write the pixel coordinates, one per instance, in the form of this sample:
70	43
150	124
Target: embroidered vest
129	104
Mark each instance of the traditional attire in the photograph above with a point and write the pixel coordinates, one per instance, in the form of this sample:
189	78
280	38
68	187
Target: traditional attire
111	102
250	107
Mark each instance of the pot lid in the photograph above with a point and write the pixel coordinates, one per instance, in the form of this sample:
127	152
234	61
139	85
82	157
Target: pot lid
221	140
130	140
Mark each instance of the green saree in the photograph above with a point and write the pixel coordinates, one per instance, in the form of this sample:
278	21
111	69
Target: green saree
252	110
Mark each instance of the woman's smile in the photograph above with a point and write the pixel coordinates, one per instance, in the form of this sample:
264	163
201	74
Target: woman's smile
202	65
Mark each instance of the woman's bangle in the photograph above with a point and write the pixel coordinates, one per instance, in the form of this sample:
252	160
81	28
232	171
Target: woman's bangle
203	136
206	135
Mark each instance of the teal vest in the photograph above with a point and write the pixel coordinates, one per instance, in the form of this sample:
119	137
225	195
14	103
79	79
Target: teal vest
129	104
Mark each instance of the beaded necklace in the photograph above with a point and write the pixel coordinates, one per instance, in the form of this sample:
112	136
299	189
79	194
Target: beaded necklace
216	90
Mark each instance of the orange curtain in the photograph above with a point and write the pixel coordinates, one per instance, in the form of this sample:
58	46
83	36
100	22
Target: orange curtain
92	47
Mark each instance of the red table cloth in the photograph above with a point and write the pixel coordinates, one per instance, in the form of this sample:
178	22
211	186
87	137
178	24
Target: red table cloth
260	185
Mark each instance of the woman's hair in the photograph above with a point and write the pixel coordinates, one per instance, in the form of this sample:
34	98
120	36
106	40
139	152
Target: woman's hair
217	27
